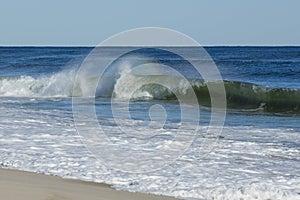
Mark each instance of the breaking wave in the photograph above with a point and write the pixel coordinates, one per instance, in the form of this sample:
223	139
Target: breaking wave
240	95
56	85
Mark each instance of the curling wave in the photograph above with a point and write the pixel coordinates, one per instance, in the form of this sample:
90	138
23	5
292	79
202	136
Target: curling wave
240	95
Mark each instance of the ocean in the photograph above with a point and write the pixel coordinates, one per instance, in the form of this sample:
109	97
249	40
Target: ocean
256	156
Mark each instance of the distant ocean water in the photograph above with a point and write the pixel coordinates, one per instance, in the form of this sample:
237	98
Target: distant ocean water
258	155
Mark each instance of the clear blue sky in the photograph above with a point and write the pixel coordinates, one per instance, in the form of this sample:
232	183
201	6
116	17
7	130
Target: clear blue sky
210	22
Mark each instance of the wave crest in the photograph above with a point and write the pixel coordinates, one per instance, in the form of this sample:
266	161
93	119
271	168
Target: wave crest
240	95
57	85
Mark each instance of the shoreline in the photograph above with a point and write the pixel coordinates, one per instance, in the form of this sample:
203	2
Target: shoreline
23	185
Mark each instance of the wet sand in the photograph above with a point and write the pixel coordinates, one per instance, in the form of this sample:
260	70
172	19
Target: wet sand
19	185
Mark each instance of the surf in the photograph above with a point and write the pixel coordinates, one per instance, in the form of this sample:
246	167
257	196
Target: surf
57	85
240	95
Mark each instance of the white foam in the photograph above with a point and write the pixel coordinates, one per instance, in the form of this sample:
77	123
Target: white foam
56	85
248	163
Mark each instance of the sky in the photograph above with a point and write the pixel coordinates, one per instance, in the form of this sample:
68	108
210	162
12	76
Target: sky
210	22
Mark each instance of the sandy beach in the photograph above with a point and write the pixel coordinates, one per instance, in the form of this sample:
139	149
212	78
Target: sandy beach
19	185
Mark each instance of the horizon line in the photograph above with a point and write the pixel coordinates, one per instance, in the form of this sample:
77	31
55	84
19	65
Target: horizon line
90	46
